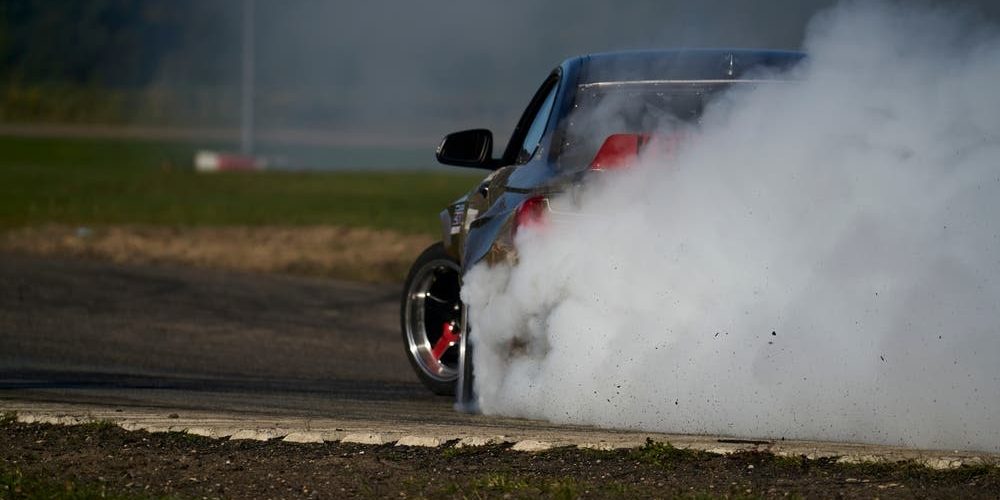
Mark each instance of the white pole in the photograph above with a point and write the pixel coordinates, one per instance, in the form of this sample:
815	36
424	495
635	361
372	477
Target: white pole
246	104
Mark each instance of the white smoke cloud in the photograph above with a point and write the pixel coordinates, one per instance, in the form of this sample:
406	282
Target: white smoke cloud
821	261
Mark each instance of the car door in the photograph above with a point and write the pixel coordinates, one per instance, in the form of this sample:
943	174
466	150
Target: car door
525	150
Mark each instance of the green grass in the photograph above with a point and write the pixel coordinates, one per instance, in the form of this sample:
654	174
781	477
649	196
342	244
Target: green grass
105	182
508	484
101	425
16	485
912	471
499	482
665	454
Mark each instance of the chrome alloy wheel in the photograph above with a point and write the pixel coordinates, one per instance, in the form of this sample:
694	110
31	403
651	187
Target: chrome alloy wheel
432	319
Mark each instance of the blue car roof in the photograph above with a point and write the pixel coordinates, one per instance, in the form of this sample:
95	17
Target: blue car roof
681	64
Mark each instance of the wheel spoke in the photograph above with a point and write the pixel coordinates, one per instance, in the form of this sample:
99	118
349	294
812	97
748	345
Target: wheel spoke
448	338
428	295
444	309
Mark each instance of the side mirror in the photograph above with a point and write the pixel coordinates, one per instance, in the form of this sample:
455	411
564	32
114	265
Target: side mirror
468	148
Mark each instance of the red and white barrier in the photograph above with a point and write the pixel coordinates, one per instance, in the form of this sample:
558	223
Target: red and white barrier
211	161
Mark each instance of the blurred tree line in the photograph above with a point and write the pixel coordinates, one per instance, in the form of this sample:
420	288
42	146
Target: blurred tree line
177	63
387	67
113	43
116	61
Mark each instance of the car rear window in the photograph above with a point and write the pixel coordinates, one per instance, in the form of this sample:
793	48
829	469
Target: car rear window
601	110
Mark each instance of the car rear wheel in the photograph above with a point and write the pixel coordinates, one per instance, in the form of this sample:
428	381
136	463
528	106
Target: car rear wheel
430	317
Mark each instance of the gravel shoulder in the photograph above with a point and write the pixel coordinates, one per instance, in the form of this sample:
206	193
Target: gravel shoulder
104	459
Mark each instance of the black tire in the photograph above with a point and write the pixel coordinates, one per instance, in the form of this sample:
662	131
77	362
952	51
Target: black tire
431	300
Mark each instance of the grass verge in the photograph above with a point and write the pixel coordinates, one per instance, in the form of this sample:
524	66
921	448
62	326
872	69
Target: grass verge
137	202
102	459
113	182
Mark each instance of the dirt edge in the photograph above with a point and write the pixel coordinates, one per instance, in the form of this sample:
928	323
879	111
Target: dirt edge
357	254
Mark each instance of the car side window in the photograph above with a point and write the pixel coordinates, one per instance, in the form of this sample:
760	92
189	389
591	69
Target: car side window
534	135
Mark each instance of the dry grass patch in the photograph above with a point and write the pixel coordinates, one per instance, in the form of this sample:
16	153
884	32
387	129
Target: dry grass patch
340	252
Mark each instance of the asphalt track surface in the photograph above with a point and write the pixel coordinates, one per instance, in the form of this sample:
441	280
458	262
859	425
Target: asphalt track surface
164	347
169	337
78	336
146	342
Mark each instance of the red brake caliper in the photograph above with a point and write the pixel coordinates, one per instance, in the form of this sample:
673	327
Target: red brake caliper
448	338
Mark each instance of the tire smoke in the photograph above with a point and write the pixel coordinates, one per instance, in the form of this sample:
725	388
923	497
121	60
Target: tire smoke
821	260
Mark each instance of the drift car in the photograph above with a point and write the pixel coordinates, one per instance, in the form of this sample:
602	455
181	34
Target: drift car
592	113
